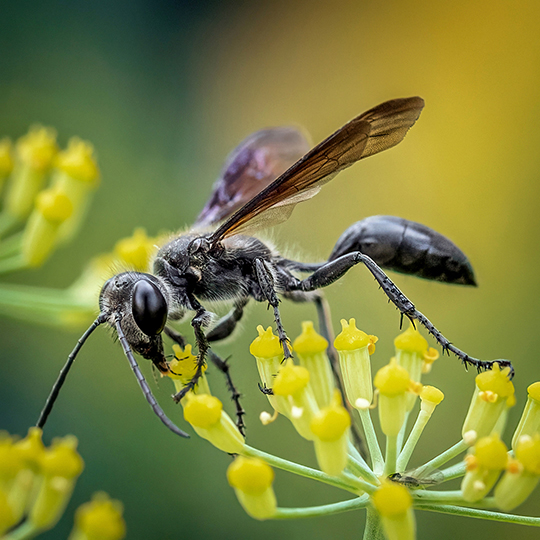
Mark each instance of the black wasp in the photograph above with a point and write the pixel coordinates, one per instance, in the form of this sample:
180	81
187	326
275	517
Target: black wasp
263	179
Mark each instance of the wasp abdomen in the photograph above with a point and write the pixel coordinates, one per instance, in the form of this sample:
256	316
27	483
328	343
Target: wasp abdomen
407	247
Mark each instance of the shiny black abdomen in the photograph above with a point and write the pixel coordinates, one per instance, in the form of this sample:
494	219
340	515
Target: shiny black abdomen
408	247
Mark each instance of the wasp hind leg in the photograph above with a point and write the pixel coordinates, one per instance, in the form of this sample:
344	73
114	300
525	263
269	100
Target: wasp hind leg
333	270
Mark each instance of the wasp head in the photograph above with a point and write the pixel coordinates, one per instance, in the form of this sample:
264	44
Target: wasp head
139	303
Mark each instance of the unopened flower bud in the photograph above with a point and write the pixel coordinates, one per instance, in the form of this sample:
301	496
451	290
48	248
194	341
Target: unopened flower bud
330	427
310	348
252	481
205	413
493	388
394	504
99	519
353	347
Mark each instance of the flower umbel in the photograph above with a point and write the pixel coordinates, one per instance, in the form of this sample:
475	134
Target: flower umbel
389	492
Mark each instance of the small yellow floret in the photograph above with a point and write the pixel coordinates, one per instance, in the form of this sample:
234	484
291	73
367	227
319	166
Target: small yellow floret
203	410
62	459
534	391
135	251
101	518
411	341
309	342
78	161
266	345
331	422
350	338
6	157
54	205
431	394
250	475
290	379
496	381
528	453
184	364
491	453
392	499
37	148
392	380
31	448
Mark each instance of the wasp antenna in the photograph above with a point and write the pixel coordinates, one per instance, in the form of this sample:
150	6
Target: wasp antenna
64	371
144	385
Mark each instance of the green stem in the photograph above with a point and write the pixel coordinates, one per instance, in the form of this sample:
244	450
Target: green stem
324	510
12	264
25	531
7	222
11	245
439	496
455	471
357	469
348	483
402	431
410	445
481	514
441	459
391	454
373	529
377	461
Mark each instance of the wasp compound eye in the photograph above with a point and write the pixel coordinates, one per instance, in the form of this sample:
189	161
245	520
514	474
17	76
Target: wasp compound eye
149	308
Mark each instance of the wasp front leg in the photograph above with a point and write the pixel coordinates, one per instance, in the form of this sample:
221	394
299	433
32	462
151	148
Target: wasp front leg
201	319
266	283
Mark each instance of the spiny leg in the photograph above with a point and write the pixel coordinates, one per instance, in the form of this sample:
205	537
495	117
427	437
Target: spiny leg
200	320
266	282
333	270
223	366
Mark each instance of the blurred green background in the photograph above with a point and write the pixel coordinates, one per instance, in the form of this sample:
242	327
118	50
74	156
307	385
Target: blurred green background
165	90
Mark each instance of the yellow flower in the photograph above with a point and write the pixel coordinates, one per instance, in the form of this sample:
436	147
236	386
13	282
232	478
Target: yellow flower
205	413
353	347
99	519
394	504
252	480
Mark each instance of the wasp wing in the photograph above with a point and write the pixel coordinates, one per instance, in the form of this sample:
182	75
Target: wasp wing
376	130
256	162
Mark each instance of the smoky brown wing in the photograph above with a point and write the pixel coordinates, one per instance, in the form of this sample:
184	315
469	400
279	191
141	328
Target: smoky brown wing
256	162
376	130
